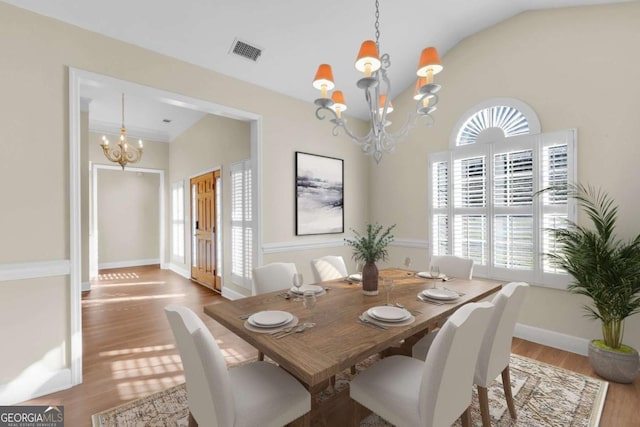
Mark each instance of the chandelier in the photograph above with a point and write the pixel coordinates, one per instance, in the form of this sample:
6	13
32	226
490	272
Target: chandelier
122	153
376	86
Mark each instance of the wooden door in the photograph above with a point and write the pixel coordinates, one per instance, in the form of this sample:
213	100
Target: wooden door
204	256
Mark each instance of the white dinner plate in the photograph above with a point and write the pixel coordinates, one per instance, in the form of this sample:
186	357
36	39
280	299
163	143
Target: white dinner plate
270	318
441	294
427	275
389	314
315	288
357	277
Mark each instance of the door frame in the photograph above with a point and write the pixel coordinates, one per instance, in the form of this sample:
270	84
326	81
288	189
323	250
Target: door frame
78	76
94	238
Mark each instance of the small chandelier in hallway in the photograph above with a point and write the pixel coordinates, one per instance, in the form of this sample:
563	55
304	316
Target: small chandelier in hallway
122	153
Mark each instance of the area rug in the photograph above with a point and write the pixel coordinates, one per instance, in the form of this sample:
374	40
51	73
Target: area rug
545	396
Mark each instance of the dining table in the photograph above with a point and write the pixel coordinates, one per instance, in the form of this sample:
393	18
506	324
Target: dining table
339	339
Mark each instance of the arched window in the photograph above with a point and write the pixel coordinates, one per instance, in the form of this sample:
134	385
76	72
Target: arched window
483	202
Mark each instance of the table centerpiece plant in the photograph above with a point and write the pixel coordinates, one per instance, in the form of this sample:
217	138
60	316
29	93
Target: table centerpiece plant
605	269
371	248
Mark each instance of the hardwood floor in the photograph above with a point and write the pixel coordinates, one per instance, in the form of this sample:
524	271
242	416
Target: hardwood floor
129	350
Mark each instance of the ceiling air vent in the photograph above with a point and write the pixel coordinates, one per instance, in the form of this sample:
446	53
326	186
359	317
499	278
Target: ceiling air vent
245	50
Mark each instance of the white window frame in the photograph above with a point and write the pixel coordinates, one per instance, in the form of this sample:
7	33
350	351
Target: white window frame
178	221
488	147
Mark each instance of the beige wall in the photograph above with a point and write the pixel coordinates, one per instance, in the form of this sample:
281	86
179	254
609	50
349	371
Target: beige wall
576	69
213	141
34	219
128	217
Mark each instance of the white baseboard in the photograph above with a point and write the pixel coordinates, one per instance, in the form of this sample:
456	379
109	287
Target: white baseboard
231	294
35	381
85	286
133	263
552	339
179	270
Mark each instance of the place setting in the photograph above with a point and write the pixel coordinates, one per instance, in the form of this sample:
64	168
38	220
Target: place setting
356	277
299	288
270	321
384	316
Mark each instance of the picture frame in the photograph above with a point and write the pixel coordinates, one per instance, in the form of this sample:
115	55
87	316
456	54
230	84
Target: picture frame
319	194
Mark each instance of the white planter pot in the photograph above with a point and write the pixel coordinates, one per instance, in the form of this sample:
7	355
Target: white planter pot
614	366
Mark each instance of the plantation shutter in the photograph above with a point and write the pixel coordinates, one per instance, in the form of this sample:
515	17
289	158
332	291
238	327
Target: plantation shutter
440	205
557	149
241	224
513	227
470	204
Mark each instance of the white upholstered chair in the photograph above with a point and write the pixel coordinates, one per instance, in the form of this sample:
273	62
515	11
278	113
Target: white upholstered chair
273	277
450	266
496	347
255	394
408	392
495	351
328	268
453	266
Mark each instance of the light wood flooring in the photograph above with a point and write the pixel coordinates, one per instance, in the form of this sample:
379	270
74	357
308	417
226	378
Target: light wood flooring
129	350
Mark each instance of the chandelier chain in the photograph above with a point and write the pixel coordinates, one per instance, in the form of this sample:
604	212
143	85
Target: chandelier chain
378	24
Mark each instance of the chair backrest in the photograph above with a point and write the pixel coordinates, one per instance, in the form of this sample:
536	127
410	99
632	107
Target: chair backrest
208	384
496	347
328	268
447	379
454	266
273	277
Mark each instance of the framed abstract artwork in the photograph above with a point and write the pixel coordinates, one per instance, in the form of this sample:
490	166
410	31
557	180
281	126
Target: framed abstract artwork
319	194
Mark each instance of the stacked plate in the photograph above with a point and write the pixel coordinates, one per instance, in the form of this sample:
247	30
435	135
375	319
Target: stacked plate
270	319
427	275
354	278
440	294
315	288
389	314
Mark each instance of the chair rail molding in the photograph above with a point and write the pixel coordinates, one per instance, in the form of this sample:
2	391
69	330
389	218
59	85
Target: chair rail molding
411	243
33	270
278	247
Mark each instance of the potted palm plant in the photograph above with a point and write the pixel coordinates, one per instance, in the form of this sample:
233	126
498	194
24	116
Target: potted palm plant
605	269
371	248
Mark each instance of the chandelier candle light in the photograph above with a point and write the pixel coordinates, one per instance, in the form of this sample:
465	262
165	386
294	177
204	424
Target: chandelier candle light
123	153
374	67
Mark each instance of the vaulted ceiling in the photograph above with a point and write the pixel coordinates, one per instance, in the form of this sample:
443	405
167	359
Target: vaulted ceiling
294	35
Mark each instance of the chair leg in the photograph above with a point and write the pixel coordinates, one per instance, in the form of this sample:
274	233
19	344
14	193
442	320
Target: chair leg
353	369
506	382
356	413
192	421
465	418
483	399
260	356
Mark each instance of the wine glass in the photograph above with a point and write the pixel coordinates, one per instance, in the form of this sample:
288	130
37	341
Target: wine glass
434	270
407	265
298	280
309	299
388	284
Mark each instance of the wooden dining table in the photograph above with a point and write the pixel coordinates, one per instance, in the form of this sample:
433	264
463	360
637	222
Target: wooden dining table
338	340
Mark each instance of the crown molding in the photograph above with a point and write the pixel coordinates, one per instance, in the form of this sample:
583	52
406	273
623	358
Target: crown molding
98	126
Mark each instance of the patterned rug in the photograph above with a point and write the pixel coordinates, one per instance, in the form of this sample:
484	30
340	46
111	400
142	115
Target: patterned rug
545	396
